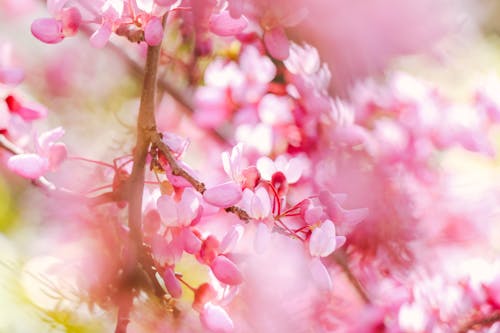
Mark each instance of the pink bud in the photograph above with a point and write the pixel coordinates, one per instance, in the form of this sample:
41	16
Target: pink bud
48	30
215	319
153	32
29	166
226	271
277	43
223	195
172	283
224	25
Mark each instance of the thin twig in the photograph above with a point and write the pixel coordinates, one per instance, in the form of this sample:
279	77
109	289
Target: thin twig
480	322
176	169
341	259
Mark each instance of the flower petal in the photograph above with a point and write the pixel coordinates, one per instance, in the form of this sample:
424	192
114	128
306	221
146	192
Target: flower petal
224	24
48	30
223	195
231	238
215	319
172	284
226	271
320	275
153	32
323	242
277	43
167	208
29	166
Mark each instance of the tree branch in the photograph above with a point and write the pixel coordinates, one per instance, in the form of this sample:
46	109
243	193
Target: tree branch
340	258
478	323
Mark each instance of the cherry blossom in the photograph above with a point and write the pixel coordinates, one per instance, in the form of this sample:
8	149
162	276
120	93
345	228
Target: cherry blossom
49	154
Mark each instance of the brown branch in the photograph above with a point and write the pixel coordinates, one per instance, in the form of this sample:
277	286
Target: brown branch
478	323
176	169
242	214
123	316
340	258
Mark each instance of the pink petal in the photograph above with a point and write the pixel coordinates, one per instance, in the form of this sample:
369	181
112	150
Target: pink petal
215	319
192	244
260	206
57	154
189	207
172	284
167	208
313	215
48	30
11	76
323	242
101	36
153	32
294	170
277	43
29	113
223	195
226	271
266	167
231	238
224	24
262	238
339	240
176	143
28	165
320	275
48	138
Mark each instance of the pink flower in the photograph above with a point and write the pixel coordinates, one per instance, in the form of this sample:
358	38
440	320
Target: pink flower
49	155
232	163
182	213
291	168
65	23
257	204
323	240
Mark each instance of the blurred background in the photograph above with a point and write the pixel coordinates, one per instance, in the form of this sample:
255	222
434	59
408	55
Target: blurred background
453	45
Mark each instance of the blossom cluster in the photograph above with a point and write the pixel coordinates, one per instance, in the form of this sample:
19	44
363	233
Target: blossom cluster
306	211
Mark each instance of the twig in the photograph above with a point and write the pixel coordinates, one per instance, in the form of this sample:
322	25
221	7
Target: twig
341	259
176	169
477	323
